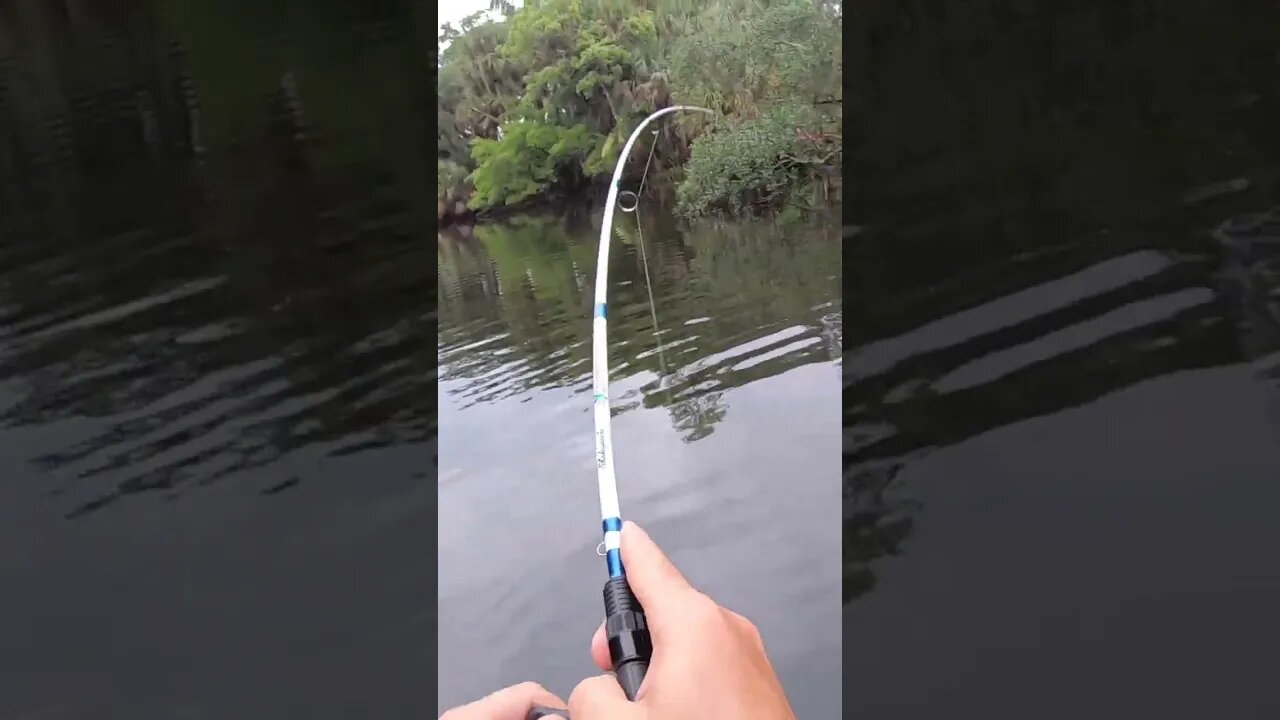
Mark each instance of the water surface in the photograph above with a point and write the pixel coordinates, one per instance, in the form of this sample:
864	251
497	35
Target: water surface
214	369
724	385
1062	383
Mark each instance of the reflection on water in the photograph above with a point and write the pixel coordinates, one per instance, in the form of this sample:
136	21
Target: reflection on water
213	320
724	348
1064	386
210	344
728	304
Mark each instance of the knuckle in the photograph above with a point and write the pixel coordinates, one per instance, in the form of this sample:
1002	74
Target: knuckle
702	607
702	610
746	627
528	686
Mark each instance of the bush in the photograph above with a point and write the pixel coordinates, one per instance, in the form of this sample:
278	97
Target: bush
757	162
451	187
525	160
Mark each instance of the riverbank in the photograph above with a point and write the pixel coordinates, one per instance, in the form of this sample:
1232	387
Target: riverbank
823	193
458	214
541	102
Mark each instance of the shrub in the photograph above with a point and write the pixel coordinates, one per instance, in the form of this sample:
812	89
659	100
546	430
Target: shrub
756	162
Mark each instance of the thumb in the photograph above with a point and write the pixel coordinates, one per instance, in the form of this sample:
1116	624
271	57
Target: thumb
601	698
655	581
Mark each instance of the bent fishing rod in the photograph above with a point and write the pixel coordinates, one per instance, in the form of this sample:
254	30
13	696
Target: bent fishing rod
625	627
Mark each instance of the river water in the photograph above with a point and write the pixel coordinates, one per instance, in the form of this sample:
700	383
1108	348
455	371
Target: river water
1060	389
1062	371
725	383
215	374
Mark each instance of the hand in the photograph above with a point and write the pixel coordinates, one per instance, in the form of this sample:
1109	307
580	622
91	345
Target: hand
509	703
708	662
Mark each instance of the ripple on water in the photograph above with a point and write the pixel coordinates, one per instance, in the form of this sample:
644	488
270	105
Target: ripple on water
720	313
192	380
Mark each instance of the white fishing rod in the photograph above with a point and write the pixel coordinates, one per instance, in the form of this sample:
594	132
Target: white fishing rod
625	627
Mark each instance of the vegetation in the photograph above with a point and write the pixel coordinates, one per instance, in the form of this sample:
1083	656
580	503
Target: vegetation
539	103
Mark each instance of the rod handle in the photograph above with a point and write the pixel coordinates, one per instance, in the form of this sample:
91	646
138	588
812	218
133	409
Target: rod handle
627	632
630	646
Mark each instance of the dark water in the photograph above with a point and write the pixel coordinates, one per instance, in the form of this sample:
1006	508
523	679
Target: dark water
1062	383
214	379
725	429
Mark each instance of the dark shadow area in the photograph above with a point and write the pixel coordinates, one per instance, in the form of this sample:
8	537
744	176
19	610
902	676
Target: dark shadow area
215	301
223	279
1065	328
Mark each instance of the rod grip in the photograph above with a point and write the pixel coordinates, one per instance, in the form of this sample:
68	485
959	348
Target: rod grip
630	647
627	632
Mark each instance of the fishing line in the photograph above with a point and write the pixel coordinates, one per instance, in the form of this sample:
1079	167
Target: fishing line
644	259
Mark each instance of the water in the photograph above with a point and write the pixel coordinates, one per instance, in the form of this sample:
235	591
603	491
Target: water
724	392
1061	394
1062	378
214	368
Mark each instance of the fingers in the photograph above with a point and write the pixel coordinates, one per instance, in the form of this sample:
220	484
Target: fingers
600	650
655	581
601	697
509	703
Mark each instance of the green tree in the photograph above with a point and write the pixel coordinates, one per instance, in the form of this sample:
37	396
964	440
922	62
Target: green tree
767	69
541	102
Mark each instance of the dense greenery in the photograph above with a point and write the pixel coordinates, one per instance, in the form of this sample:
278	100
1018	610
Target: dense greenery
541	102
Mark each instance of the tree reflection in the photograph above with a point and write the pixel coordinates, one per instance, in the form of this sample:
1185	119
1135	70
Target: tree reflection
214	246
877	521
1013	159
721	290
1250	279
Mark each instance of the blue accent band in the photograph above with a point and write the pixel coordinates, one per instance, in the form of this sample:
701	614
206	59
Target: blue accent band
599	397
613	524
614	558
599	310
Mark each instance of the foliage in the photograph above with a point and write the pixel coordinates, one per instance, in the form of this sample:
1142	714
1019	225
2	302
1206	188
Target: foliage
476	86
764	70
762	154
452	186
528	157
773	52
543	100
449	174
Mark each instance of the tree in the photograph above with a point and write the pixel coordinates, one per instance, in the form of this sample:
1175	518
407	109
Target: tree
542	101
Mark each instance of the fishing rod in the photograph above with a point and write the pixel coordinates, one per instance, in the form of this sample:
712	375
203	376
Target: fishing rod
625	627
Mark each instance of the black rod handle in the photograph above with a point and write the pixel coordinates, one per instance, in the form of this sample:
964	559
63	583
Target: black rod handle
630	646
627	632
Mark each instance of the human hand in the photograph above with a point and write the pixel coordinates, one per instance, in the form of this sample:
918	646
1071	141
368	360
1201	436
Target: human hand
509	703
708	661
